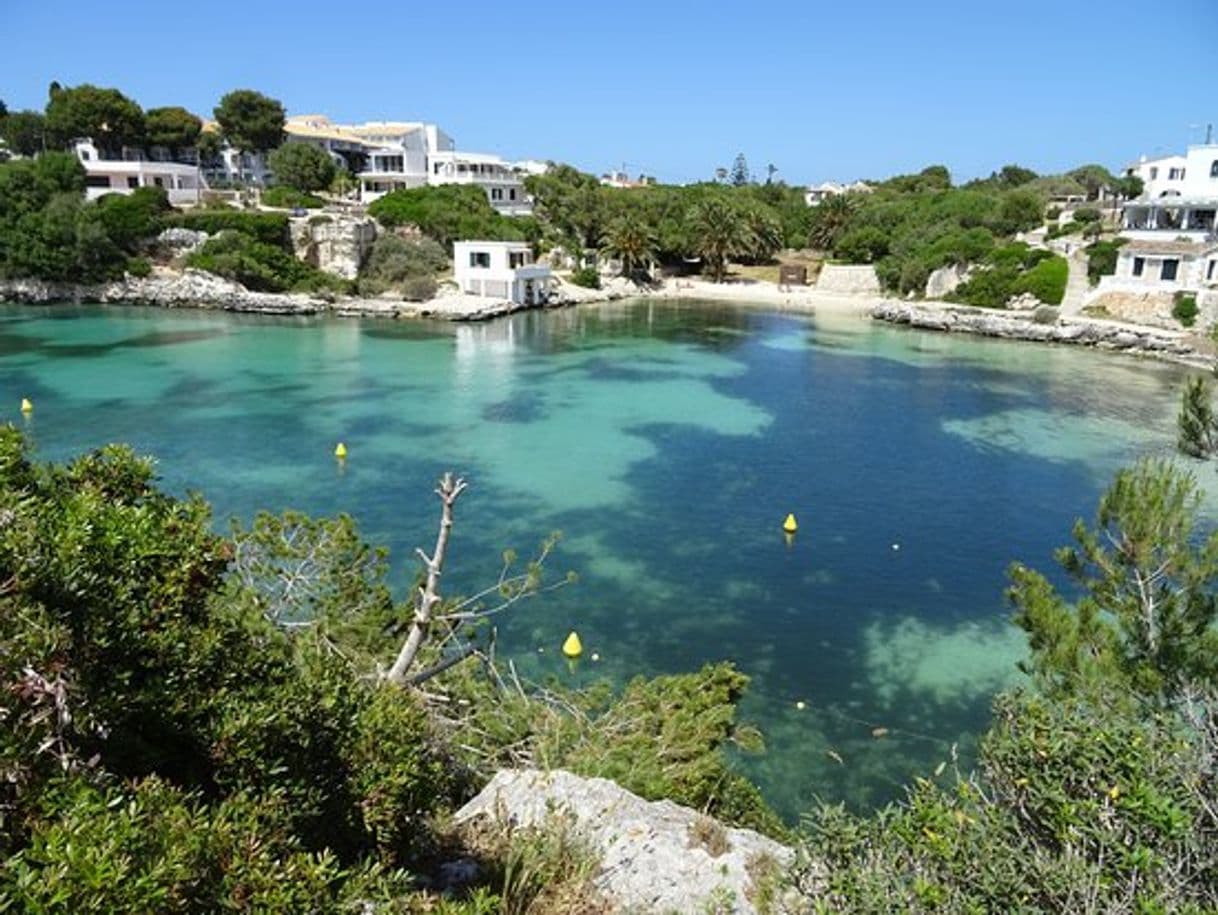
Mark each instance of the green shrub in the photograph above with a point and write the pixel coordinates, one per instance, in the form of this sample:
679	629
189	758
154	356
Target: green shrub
139	267
131	219
588	277
1184	308
1091	798
320	219
448	213
154	849
267	228
1102	258
1086	214
419	288
991	287
1046	280
864	245
289	198
261	267
393	260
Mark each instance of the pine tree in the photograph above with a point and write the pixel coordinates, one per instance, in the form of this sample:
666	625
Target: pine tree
1198	427
740	171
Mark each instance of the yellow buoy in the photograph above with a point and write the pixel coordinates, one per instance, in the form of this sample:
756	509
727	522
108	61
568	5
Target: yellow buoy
26	405
340	451
573	647
789	525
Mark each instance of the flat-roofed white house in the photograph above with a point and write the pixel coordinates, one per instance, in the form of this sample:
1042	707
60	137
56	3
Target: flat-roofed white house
818	194
1179	196
1167	266
501	270
504	187
107	175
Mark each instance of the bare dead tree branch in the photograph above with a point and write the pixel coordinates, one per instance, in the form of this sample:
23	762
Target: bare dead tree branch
428	596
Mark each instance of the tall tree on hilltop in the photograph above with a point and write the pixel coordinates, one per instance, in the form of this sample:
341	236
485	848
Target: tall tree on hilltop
740	171
106	116
173	128
250	122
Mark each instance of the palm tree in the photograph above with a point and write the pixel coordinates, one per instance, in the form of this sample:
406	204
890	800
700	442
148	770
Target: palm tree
719	233
765	235
632	242
830	221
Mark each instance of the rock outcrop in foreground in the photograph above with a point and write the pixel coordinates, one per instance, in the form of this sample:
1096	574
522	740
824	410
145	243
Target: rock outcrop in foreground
655	856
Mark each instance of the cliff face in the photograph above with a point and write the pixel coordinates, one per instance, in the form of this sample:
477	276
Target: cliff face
653	856
335	244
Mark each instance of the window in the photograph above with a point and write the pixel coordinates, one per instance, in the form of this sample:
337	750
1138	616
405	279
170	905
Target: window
1168	272
1214	169
1139	264
512	194
96	181
496	193
1154	172
86	155
480	259
158	181
518	259
133	181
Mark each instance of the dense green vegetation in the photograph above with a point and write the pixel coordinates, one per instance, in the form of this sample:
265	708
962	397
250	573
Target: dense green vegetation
289	198
49	232
174	739
449	212
1013	270
406	264
703	224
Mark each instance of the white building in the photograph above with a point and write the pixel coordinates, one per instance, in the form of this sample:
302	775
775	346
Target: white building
181	181
817	194
501	270
394	155
1179	196
1166	266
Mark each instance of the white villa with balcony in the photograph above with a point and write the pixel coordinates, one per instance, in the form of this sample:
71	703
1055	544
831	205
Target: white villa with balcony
104	175
501	270
1179	196
393	155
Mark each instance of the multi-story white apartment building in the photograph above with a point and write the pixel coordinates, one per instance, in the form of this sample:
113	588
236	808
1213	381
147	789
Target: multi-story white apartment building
1179	196
390	155
133	169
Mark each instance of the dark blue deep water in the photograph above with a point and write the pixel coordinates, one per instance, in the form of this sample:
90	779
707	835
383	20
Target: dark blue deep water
668	443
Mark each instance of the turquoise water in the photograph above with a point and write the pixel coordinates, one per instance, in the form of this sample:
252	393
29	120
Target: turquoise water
667	443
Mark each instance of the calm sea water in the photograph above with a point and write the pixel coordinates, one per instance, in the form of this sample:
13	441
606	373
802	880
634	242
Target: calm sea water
668	443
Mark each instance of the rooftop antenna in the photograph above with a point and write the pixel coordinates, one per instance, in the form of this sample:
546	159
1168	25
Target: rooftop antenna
1209	134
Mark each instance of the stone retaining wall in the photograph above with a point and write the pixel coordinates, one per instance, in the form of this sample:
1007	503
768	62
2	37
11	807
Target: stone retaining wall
850	279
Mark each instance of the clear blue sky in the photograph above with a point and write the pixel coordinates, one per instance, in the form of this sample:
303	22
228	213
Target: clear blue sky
822	90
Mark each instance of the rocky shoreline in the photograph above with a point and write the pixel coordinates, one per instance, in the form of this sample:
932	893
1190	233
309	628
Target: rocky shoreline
198	289
1154	342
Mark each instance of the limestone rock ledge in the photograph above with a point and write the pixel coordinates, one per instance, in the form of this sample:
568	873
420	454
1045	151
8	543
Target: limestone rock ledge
188	289
1171	345
655	856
